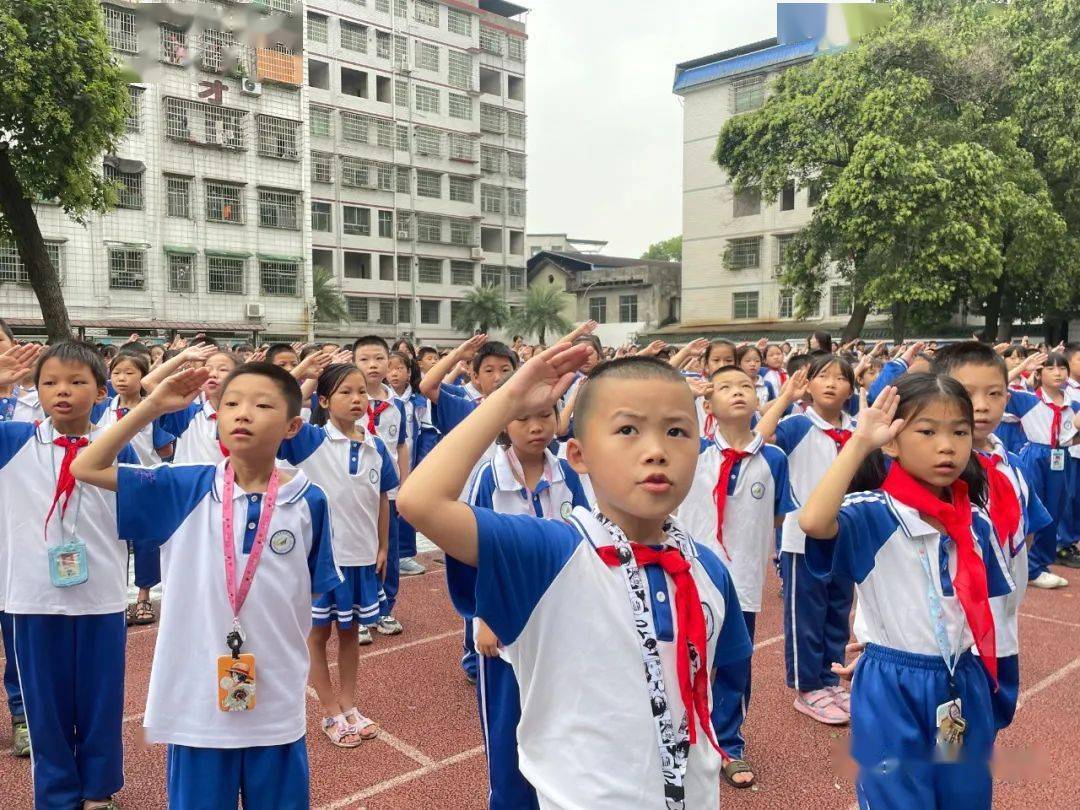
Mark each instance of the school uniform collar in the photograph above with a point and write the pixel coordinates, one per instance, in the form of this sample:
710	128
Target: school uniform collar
388	394
289	492
472	391
47	434
594	532
909	519
405	395
819	421
997	450
208	410
752	448
503	471
335	435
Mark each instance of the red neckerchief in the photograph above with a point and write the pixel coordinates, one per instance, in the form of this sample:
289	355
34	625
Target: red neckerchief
373	414
781	375
65	481
720	491
1055	422
1004	506
837	435
970	579
691	620
710	424
121	412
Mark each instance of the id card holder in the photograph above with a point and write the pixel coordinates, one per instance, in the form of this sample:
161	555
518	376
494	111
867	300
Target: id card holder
68	564
1057	459
950	731
236	682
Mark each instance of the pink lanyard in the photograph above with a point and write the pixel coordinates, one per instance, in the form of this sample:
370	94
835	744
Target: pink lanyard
238	595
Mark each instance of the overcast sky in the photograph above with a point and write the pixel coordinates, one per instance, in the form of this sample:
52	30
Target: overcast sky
605	130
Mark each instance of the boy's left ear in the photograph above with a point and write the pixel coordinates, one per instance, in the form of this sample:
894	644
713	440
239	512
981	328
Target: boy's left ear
102	393
574	457
294	427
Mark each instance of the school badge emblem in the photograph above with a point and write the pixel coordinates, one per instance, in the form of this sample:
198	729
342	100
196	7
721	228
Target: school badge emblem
566	509
758	490
710	621
373	475
393	431
282	542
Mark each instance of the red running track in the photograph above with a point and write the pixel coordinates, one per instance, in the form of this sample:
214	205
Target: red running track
430	754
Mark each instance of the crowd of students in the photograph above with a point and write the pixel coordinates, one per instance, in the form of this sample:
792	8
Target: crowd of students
609	518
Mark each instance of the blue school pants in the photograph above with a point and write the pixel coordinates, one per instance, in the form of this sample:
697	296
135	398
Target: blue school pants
406	539
1008	692
11	673
260	777
461	584
816	628
500	712
731	699
147	564
470	658
894	700
392	571
71	669
1056	490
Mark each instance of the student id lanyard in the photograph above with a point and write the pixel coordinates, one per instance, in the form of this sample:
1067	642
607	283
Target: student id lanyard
236	671
68	564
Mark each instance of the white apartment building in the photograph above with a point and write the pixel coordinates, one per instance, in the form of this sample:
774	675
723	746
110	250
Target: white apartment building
416	120
211	229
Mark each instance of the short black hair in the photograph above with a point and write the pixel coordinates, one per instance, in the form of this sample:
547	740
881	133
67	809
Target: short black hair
822	360
1071	349
75	351
728	369
634	367
135	347
426	350
797	362
371	340
493	348
290	388
276	349
968	353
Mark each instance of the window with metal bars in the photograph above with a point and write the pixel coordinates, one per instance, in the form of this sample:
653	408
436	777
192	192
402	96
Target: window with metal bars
322	217
401	48
129	188
455	311
401	8
427	99
356	220
462	274
127	269
458	22
385	175
178	196
744	254
462	147
427	55
490	158
462	232
320	121
461	188
284	6
133	121
174	47
358	308
491	199
225	274
460	106
401	93
279	278
279	209
429	271
515	202
388	311
404	310
783	242
747	94
515	278
354	37
120	29
384	133
841	301
386	224
427	141
318	27
515	163
492	119
515	124
224	202
429	228
206	124
181	272
491	276
515	48
428	184
426	12
383	44
322	167
383	6
404	268
216	48
430	310
12	267
277	137
460	69
402	179
744	305
786	304
491	41
354	172
355	127
628	310
598	309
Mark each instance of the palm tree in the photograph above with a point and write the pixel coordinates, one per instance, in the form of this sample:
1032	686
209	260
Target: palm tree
330	306
482	309
542	310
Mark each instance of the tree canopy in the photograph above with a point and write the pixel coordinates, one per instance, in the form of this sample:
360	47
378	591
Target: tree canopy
666	250
542	310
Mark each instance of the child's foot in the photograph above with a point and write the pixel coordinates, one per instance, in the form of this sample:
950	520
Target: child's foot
142	612
409	567
1069	557
363	635
339	732
1048	581
367	729
99	804
842	696
389	626
821	705
738	773
20	745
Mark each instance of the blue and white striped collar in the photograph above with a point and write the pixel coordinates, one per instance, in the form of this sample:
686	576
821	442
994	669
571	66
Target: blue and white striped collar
502	470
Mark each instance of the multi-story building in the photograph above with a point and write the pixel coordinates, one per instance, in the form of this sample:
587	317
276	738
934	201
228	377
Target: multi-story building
562	243
416	117
210	231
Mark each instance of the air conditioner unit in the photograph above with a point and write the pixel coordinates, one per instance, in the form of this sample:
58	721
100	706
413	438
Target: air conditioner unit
476	254
401	234
254	310
250	87
403	65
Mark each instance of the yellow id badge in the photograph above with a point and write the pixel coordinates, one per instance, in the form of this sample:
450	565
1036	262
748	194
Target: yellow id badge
236	682
950	731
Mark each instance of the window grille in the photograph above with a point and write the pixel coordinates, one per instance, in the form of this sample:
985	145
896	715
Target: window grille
178	197
224	203
279	278
278	137
205	124
129	193
127	269
225	275
279	209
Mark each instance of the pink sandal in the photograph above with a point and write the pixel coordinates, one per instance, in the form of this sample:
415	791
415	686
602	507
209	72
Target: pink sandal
362	726
338	730
822	706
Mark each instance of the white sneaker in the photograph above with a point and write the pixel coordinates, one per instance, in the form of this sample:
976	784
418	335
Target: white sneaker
409	567
389	626
363	635
1048	581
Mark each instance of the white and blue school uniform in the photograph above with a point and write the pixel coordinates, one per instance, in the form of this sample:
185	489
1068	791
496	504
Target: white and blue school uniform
448	412
815	611
392	428
1005	609
904	571
22	406
1056	488
417	422
68	641
260	753
757	493
196	431
576	645
497	488
354	475
774	380
887	376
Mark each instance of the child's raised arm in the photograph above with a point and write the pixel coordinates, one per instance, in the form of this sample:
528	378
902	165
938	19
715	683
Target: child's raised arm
429	498
877	426
791	391
429	385
200	353
96	464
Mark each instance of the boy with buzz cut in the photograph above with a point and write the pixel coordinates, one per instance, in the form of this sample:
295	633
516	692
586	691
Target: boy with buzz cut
1014	510
244	546
618	610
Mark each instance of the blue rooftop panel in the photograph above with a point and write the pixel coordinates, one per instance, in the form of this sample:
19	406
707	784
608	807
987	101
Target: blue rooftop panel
759	60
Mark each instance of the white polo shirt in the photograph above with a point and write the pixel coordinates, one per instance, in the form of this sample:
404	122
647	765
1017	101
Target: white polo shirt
391	424
29	466
178	508
353	474
146	441
565	619
1037	418
810	452
558	492
196	432
878	548
22	406
757	494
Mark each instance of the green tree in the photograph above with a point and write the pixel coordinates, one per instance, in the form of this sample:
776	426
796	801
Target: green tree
63	101
482	309
542	310
330	306
666	250
927	196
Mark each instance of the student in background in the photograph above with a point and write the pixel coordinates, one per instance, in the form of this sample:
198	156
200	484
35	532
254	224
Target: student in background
403	377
